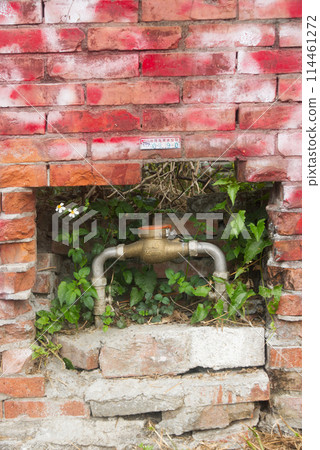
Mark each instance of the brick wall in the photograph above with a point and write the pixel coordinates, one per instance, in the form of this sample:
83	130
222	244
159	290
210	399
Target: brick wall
82	81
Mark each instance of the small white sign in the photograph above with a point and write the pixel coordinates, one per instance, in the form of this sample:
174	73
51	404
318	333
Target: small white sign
159	142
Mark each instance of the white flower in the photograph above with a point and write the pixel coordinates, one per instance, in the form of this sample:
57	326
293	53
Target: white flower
73	212
60	208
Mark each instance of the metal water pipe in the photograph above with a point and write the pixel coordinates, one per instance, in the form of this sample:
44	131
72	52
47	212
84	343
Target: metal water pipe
154	247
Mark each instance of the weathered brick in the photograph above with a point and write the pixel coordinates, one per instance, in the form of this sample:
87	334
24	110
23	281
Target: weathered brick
82	351
285	381
40	40
99	174
16	360
288	250
91	122
230	35
274	9
291	195
290	89
235	90
18	202
290	34
189	119
275	117
57	11
285	357
88	66
139	93
187	64
288	332
20	11
229	145
16	332
263	169
13	229
127	148
48	261
36	150
294	169
21	68
41	95
44	283
290	305
289	277
133	38
289	407
44	408
270	61
22	123
10	309
23	176
285	222
23	387
153	10
290	143
12	282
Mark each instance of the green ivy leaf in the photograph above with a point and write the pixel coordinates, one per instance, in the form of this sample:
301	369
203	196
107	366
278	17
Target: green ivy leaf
164	287
257	230
68	364
254	248
127	275
146	281
62	290
202	291
232	190
200	313
84	272
89	302
136	296
219	206
219	307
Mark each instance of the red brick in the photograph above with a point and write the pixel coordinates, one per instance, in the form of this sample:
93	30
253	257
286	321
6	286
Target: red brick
44	283
290	34
270	117
290	89
290	305
84	67
139	93
292	195
133	38
16	332
41	95
10	309
127	148
287	358
23	176
290	144
35	150
39	409
23	387
229	145
18	202
287	250
274	9
230	35
16	361
224	90
90	122
13	229
21	68
270	61
20	11
263	169
285	222
22	123
187	64
290	278
189	119
155	10
94	11
294	170
40	40
12	282
98	174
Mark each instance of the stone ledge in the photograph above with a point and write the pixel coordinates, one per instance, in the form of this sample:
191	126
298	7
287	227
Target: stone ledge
142	350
